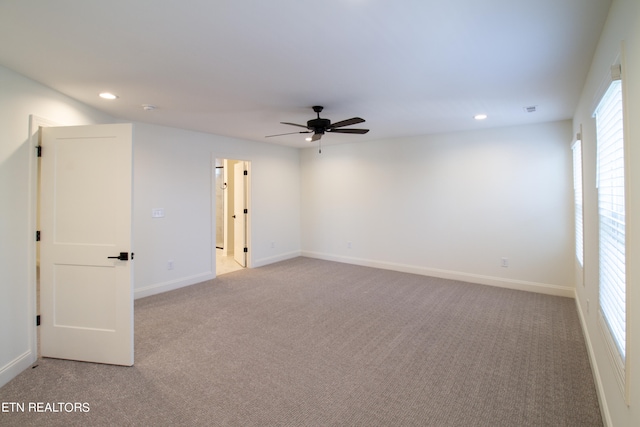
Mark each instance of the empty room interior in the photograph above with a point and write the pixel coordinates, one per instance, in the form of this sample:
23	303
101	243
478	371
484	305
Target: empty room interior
320	192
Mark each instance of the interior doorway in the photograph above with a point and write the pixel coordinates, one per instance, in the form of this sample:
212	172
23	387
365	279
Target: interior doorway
232	214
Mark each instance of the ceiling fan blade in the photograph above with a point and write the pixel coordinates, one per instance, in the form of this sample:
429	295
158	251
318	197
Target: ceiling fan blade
294	124
352	121
316	136
358	131
288	133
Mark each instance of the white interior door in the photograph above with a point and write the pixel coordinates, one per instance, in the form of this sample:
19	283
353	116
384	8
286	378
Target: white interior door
86	296
240	218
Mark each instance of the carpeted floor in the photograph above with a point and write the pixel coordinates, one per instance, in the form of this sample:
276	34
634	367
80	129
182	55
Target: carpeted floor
307	342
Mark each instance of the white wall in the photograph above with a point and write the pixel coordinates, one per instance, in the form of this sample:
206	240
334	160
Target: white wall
20	98
449	205
622	27
174	170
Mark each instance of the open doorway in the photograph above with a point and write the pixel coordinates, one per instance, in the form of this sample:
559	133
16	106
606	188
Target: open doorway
232	214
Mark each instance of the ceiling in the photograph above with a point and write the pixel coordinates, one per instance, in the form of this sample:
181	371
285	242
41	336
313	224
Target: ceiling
240	67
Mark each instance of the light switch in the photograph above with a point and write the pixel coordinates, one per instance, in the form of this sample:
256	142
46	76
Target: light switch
157	213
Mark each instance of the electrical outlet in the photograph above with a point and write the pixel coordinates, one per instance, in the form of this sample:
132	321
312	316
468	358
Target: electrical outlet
273	245
170	264
505	262
348	245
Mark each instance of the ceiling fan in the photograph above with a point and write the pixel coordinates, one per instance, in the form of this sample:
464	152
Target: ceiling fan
321	126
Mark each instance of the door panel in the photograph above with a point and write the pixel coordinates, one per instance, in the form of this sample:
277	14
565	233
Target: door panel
97	299
86	294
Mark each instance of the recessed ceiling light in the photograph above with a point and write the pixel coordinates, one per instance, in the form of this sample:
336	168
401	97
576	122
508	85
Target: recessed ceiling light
107	95
480	116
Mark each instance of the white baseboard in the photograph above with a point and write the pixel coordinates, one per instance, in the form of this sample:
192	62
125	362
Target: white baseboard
17	365
276	258
521	285
159	288
602	400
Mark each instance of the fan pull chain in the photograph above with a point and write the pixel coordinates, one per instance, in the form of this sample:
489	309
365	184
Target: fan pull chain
319	146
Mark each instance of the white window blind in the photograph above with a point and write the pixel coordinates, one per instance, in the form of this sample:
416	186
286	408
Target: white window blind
611	209
577	196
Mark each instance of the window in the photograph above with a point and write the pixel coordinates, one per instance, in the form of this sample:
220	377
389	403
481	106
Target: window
577	196
611	213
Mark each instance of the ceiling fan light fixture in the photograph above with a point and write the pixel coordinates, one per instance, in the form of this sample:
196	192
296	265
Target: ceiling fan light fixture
308	139
108	95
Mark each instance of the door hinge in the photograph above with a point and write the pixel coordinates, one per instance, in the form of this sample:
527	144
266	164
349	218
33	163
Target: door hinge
38	236
39	150
246	172
246	211
246	249
38	320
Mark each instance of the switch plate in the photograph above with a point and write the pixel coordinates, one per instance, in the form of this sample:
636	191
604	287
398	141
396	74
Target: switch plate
157	213
505	262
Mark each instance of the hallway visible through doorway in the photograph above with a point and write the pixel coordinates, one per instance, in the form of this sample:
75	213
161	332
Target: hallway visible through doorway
232	214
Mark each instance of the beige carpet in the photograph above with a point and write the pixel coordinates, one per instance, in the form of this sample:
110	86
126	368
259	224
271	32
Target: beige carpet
313	343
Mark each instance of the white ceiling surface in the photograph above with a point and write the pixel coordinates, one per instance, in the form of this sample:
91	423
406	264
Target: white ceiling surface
239	67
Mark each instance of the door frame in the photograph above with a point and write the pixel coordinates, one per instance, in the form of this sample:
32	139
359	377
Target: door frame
240	246
35	123
29	357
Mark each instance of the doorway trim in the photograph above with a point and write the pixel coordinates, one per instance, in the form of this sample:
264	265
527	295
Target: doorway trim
35	123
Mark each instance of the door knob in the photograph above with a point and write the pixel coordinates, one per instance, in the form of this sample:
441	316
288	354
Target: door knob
124	256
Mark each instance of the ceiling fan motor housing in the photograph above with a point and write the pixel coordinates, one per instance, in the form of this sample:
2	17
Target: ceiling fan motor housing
318	125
